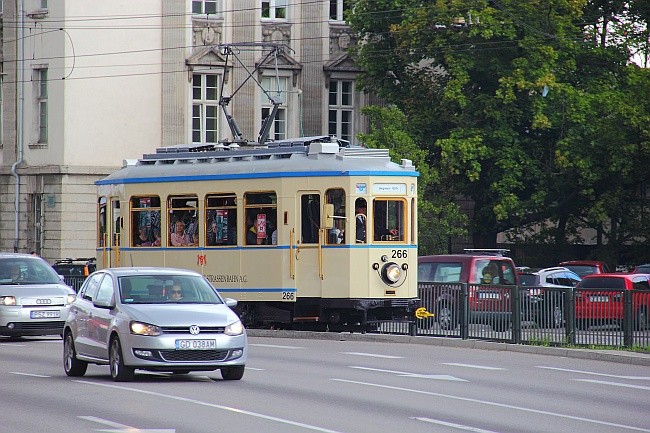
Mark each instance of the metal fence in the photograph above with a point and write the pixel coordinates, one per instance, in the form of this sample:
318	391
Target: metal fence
532	315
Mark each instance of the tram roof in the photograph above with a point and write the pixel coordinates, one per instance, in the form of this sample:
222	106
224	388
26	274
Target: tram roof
305	156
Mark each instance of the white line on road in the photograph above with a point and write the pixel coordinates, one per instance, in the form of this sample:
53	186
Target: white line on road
212	405
451	424
482	367
28	374
416	375
372	355
12	345
594	373
123	428
275	346
624	385
502	405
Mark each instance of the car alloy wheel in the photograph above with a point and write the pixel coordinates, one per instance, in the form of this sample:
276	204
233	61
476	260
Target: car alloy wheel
71	365
119	372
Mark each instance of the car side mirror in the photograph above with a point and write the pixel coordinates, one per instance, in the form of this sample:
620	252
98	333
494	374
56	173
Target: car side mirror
101	303
232	303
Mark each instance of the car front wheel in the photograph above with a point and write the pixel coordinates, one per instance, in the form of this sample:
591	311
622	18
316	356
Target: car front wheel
71	365
119	371
232	373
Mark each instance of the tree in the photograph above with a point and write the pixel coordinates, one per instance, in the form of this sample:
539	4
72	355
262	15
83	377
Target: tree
516	104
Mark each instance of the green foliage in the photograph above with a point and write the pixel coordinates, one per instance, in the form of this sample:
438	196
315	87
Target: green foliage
532	110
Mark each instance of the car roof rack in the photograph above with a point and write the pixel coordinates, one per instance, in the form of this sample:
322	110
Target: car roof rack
500	252
78	259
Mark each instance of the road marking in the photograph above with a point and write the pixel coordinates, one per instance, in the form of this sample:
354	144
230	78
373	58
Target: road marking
12	345
502	405
372	355
624	385
595	374
482	367
275	346
212	405
451	424
256	369
123	428
416	375
28	374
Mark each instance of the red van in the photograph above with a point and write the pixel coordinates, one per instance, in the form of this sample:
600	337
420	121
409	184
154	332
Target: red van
490	278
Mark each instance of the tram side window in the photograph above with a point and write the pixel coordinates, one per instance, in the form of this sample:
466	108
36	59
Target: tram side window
388	216
309	218
336	197
145	221
221	217
183	220
101	222
261	218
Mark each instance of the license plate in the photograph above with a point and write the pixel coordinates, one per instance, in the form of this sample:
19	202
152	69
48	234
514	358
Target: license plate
599	299
196	344
488	295
44	314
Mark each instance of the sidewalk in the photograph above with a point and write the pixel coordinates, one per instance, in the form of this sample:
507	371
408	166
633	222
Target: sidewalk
620	356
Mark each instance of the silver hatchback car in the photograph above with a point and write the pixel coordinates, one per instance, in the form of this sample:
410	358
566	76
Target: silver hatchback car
34	300
157	319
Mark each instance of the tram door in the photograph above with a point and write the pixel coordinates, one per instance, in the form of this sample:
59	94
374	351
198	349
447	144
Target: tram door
110	228
308	269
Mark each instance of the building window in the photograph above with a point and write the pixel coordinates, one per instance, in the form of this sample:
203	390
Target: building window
205	7
341	106
274	9
205	108
337	9
42	104
277	89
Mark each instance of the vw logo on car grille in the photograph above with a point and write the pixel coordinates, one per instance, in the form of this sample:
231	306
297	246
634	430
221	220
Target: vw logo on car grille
194	329
43	301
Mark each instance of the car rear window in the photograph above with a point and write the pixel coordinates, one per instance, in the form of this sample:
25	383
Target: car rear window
439	272
583	270
603	283
528	280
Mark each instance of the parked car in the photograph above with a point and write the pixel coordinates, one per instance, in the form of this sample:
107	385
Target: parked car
33	298
75	271
490	279
132	318
595	307
586	267
546	293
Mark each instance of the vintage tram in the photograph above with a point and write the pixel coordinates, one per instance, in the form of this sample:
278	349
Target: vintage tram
302	233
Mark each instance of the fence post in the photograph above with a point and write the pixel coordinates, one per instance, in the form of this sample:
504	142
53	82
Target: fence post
464	312
516	315
628	318
570	314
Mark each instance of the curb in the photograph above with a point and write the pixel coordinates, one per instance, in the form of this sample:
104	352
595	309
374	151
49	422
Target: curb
619	356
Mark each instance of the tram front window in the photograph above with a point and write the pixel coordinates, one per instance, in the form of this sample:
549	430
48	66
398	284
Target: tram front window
388	217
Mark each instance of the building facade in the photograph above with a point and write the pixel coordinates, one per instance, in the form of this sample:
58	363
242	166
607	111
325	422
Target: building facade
87	84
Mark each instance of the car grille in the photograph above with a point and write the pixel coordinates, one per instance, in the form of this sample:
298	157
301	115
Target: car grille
186	329
193	355
37	326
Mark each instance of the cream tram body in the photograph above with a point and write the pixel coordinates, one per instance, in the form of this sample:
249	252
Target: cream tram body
314	269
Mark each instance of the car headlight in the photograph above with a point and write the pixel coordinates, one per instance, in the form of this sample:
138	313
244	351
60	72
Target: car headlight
235	328
7	300
391	273
140	328
70	299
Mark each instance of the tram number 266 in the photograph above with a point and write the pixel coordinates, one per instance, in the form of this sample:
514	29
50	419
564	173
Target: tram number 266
288	296
399	254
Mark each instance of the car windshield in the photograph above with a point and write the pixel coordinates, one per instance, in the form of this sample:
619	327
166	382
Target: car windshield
582	270
167	289
23	271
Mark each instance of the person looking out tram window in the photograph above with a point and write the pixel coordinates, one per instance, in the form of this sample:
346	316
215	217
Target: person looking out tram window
178	237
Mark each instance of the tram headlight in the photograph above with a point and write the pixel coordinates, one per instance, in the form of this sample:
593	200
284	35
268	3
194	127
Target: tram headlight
391	273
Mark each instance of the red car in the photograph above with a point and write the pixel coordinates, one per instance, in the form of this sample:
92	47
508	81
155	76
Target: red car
586	267
594	307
